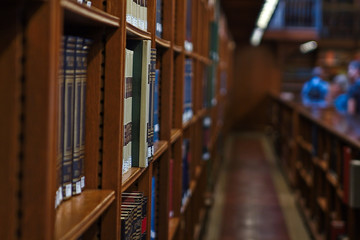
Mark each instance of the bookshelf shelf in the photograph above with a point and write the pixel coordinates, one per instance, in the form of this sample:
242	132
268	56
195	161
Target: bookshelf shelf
332	179
130	177
75	215
321	201
175	135
178	48
173	227
159	148
82	15
136	33
162	42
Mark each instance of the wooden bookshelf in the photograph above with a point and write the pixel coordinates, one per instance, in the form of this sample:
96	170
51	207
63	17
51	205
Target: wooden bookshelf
319	162
30	59
75	215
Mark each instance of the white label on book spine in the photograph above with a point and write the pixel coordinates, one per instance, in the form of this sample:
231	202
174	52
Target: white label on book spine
153	234
152	150
68	190
128	18
80	1
78	187
149	152
60	195
156	127
88	3
82	181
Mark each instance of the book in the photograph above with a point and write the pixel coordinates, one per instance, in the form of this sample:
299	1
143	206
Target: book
156	106
206	138
188	34
354	198
158	31
185	171
79	71
171	184
140	102
60	144
187	109
84	53
127	159
153	209
69	64
152	72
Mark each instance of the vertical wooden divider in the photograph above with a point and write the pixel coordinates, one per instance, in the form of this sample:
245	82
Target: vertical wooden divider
10	125
41	67
113	120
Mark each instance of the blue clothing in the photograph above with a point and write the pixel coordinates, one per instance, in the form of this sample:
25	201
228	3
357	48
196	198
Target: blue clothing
314	92
340	103
354	93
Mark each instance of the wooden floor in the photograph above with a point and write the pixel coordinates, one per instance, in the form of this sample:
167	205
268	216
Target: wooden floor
250	206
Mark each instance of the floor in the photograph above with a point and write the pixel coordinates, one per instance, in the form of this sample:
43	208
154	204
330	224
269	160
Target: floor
252	200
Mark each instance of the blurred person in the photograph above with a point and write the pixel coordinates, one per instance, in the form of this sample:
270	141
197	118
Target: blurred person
338	90
353	93
314	92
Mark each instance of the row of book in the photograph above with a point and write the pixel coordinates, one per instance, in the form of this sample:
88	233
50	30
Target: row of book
133	216
186	162
188	32
187	109
136	13
71	117
141	104
159	28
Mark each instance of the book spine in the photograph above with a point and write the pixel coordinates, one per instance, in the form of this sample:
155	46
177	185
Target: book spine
146	14
85	51
128	11
144	218
136	101
354	198
69	59
152	72
60	150
76	168
125	114
144	151
171	184
156	106
153	209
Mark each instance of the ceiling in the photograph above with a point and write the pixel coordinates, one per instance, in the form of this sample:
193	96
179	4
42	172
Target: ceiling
241	17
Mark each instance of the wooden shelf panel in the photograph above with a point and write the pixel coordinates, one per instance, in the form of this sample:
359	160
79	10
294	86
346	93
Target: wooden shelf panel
173	227
75	215
136	33
178	48
162	42
130	177
175	135
304	145
307	177
322	164
160	147
332	179
321	201
80	14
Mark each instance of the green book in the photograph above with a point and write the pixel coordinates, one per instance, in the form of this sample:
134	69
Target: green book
140	102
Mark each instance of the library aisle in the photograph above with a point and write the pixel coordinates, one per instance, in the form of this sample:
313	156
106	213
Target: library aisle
252	200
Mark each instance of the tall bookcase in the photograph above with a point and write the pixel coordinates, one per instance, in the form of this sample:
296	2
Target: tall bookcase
29	66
